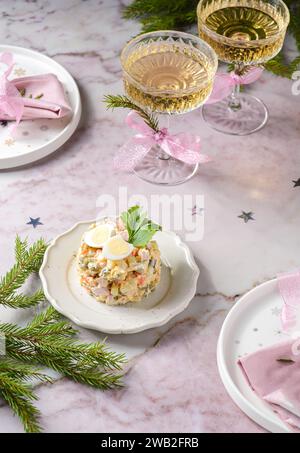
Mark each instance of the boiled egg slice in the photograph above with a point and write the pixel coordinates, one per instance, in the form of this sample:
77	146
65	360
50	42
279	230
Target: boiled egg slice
116	248
99	235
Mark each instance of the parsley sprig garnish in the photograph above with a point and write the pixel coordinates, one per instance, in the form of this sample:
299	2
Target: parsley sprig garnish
140	229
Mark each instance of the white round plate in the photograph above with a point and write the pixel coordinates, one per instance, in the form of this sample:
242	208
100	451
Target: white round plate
63	290
254	322
35	139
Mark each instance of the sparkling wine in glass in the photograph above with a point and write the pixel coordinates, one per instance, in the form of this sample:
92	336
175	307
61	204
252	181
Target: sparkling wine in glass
167	72
244	33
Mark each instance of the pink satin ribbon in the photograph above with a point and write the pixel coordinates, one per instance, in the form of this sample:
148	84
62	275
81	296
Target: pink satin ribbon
224	83
289	288
11	101
183	146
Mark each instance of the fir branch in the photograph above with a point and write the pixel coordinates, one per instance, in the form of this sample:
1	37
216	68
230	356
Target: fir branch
162	14
21	406
49	341
171	22
28	261
119	101
20	249
140	8
30	258
22	371
23	301
19	394
279	67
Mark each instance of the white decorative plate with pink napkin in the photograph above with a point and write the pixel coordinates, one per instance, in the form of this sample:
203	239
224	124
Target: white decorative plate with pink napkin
39	106
259	354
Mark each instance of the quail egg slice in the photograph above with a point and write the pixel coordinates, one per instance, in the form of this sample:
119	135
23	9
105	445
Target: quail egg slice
99	235
116	248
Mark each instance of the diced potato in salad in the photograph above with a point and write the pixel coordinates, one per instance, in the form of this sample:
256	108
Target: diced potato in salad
117	281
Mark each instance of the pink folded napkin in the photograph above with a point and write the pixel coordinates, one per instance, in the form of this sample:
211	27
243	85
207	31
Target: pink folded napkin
274	375
40	96
43	97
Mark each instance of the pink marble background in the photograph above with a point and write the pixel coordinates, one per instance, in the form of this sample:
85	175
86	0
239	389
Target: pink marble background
251	174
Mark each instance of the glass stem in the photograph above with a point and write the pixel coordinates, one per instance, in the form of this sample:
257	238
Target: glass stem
162	155
234	101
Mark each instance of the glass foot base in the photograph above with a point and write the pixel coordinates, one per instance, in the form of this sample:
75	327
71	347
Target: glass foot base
158	168
250	117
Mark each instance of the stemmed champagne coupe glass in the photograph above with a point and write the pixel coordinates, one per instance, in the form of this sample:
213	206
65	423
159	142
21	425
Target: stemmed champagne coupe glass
167	72
243	33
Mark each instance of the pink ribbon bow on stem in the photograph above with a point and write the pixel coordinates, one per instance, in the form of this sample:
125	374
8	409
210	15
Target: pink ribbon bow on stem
11	101
224	83
183	146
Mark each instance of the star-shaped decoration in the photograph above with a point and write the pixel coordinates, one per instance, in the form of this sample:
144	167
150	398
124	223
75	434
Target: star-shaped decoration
276	311
3	123
246	216
19	72
297	183
197	211
9	142
35	222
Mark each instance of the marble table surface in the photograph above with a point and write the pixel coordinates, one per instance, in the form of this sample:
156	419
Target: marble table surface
254	174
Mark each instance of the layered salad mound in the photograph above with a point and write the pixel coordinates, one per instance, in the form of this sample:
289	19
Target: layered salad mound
118	262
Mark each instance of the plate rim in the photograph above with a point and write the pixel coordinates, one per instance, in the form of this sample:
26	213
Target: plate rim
237	396
191	291
47	148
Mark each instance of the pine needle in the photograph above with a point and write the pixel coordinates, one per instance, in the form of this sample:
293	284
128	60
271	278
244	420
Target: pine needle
118	101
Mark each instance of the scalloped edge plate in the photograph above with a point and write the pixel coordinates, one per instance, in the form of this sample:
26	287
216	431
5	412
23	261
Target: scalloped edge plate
62	288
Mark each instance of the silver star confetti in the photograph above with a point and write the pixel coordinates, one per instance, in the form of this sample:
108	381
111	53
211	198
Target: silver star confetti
276	311
35	222
246	216
297	183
